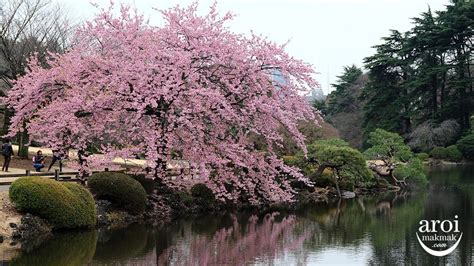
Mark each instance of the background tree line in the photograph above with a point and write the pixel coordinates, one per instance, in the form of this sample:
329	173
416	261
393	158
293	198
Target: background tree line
419	83
28	28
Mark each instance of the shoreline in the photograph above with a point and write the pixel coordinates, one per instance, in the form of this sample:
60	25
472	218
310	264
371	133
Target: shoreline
165	205
438	162
9	247
16	232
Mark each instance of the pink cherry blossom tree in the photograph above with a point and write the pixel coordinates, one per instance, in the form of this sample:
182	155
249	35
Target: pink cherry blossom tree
190	89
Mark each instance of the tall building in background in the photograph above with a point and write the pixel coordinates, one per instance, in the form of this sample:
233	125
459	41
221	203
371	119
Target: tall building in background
314	94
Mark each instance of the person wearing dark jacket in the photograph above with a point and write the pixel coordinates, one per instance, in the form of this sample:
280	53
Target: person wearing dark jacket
38	161
57	157
7	151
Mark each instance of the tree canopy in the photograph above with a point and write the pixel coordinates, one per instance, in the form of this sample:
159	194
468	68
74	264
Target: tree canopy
424	74
399	162
190	90
346	163
419	83
343	108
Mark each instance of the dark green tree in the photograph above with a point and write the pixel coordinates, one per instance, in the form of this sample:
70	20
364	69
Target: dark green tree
342	99
424	74
342	107
346	164
396	156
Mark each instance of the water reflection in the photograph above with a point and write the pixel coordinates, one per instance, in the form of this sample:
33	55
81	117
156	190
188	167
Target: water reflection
372	230
63	249
244	241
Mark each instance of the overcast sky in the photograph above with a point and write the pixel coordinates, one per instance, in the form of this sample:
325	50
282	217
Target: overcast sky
329	34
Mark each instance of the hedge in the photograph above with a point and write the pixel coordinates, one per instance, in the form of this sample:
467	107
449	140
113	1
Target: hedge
453	154
438	153
450	153
63	205
422	156
147	183
466	146
121	190
412	172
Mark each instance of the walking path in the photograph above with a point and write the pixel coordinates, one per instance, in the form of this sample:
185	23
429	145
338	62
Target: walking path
23	171
48	152
20	166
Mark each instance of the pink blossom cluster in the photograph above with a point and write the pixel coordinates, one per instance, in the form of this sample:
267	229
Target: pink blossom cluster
190	89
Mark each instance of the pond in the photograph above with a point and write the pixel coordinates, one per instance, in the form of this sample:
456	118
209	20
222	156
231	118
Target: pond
370	230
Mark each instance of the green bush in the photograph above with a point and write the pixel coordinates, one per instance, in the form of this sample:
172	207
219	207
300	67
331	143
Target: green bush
466	146
351	162
347	184
439	153
388	145
290	160
453	154
201	191
332	142
422	156
123	191
63	205
323	181
147	183
185	198
412	172
450	153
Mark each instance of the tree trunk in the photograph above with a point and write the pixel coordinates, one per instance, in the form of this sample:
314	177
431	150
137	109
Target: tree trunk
23	140
336	177
7	114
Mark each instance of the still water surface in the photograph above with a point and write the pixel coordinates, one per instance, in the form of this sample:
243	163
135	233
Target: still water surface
363	231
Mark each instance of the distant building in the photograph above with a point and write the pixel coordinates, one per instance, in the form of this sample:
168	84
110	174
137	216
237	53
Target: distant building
315	94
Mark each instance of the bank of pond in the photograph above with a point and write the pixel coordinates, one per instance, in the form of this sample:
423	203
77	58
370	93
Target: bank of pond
39	209
368	229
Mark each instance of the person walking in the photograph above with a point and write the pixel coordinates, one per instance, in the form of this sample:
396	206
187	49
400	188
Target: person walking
57	156
7	151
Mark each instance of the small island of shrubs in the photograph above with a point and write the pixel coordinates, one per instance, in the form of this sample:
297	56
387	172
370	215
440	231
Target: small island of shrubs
63	205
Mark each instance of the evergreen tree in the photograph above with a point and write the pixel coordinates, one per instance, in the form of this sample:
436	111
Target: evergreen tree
423	74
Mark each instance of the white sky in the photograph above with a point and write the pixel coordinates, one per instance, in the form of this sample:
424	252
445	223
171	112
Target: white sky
329	34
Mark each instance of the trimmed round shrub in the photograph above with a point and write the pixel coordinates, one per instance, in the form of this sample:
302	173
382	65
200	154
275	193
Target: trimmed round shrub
203	192
439	153
63	205
466	146
422	156
450	153
121	190
453	154
147	183
186	198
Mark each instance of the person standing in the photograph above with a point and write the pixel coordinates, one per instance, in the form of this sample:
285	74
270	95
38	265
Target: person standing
7	151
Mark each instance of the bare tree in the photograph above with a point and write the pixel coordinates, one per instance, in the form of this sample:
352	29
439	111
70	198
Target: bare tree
28	28
428	135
